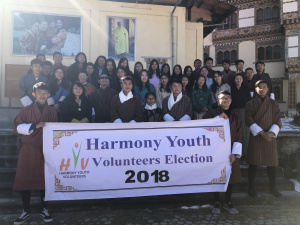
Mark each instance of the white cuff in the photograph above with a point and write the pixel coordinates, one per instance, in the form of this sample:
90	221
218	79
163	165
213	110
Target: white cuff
118	120
24	128
26	101
50	101
237	149
275	129
168	117
272	96
62	98
216	117
93	111
185	118
132	121
255	129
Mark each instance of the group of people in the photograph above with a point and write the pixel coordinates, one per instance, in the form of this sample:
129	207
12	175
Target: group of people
102	93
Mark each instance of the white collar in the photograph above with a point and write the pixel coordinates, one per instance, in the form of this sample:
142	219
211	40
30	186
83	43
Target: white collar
171	101
123	97
154	106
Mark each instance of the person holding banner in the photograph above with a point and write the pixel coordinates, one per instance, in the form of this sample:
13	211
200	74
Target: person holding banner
126	108
76	108
177	107
235	122
30	169
263	119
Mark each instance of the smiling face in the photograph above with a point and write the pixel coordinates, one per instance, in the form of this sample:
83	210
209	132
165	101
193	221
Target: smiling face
218	78
59	24
101	62
262	90
260	68
209	64
109	66
57	58
144	77
166	69
126	86
176	88
201	82
204	71
238	80
59	74
46	70
189	72
103	80
124	63
249	74
121	73
154	66
226	66
41	96
138	67
43	26
177	70
150	100
185	81
77	91
197	64
89	69
36	69
224	101
81	58
164	80
82	77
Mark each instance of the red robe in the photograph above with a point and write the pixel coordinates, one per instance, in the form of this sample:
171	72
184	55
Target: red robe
30	168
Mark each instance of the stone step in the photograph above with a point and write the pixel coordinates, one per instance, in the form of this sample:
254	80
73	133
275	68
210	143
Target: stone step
7	175
8	161
261	171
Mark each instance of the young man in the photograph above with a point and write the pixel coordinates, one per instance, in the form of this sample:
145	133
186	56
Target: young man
263	118
235	122
126	108
58	58
28	80
261	75
177	107
228	74
47	69
239	65
197	65
41	57
30	169
208	63
249	81
101	100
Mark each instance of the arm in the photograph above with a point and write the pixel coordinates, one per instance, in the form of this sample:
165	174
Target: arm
25	99
249	117
114	112
197	106
138	117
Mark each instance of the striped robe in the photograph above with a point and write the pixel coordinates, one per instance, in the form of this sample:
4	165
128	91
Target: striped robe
179	109
264	114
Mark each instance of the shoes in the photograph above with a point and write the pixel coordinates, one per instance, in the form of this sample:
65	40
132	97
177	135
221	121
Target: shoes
46	216
216	208
24	216
229	207
275	193
252	193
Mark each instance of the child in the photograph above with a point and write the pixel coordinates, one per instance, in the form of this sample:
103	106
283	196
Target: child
30	169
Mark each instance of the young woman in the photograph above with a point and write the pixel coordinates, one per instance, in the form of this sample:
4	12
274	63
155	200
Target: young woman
92	75
204	72
151	112
76	108
218	86
121	73
59	88
186	90
123	62
89	88
163	90
189	72
201	98
138	66
240	95
99	64
154	72
165	69
143	86
177	72
78	66
111	70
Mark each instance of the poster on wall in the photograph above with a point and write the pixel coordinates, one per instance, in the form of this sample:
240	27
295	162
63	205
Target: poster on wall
35	33
121	38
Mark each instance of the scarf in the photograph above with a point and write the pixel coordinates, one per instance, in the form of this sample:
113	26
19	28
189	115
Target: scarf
123	97
171	100
154	106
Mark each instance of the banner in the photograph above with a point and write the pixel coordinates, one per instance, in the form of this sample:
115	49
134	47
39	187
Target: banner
92	161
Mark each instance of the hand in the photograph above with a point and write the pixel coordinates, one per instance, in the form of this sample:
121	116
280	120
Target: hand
56	107
40	125
232	159
205	109
224	116
269	135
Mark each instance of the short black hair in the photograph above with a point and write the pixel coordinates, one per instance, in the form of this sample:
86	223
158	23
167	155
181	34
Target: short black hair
259	62
238	61
226	61
178	80
40	86
126	78
150	93
197	60
82	72
207	59
40	54
47	63
224	93
249	68
36	61
261	82
57	53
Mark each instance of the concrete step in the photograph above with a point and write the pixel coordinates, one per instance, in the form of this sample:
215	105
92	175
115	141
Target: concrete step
261	171
8	161
7	175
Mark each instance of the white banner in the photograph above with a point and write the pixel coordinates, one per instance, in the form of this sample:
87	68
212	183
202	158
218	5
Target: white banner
91	161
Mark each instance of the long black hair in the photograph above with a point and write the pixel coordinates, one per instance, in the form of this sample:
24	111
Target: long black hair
150	71
167	89
128	71
204	86
53	86
162	68
215	85
114	72
173	74
186	69
71	96
139	82
76	58
136	73
96	62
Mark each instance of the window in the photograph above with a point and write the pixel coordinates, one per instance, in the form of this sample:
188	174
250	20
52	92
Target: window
222	54
233	57
219	57
278	89
229	23
269	52
268	15
277	92
227	55
233	20
205	55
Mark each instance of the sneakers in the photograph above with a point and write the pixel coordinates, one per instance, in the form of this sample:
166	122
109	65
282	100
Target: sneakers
24	216
275	193
46	216
216	208
229	207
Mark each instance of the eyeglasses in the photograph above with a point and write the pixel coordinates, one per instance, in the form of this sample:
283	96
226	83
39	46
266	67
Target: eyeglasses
225	98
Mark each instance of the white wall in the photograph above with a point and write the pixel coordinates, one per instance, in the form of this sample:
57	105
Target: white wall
246	17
